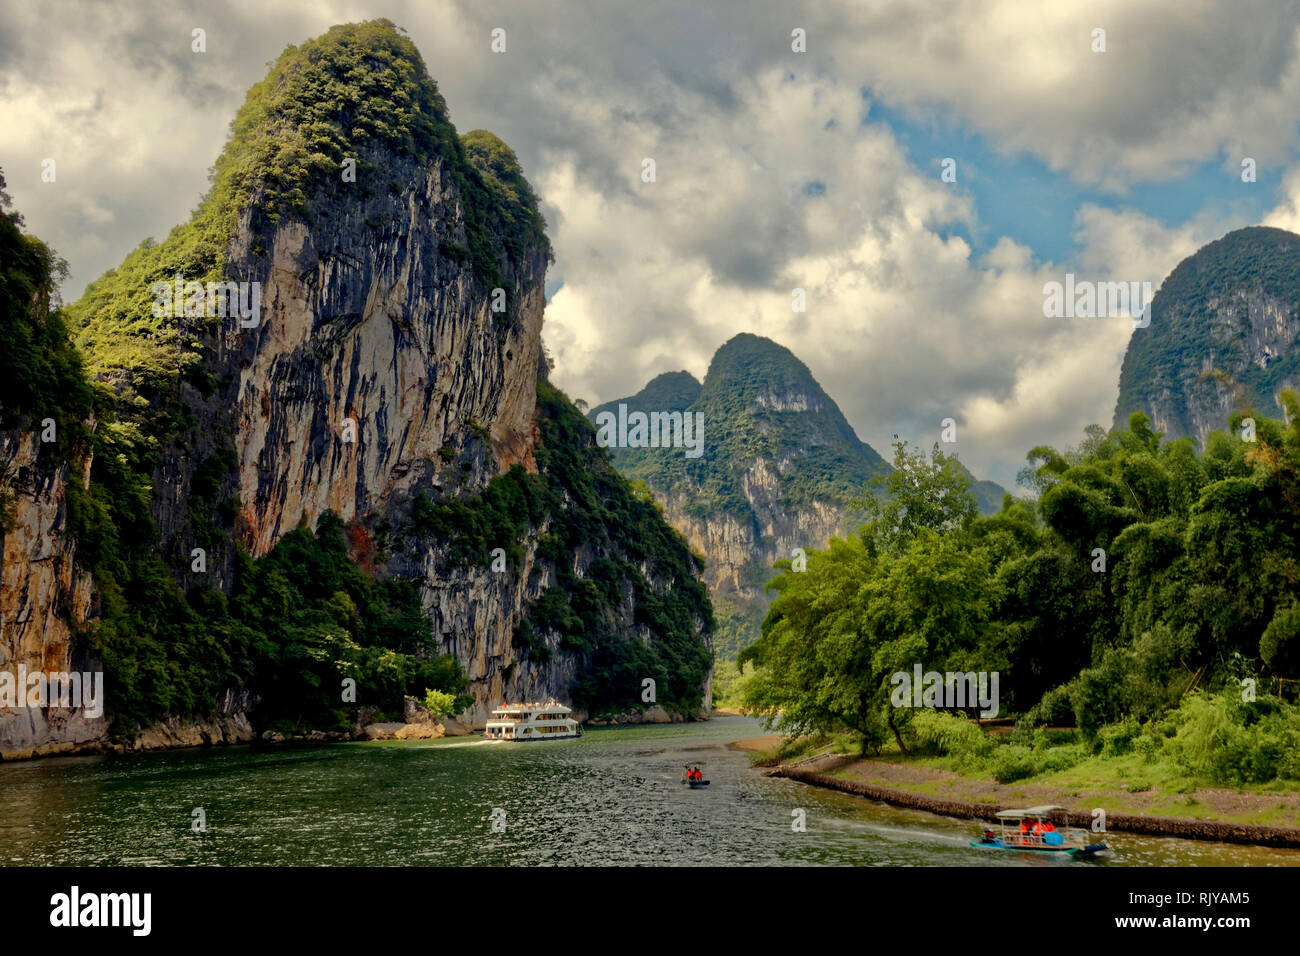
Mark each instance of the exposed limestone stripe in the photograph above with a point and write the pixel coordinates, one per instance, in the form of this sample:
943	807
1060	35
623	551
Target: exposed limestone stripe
1251	833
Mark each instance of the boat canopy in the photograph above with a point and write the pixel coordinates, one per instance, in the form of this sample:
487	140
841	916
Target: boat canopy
1030	812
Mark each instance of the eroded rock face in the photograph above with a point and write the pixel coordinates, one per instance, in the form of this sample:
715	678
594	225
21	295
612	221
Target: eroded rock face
740	552
374	352
1263	330
474	614
41	590
379	370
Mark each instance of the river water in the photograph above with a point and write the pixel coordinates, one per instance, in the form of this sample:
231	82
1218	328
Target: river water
611	797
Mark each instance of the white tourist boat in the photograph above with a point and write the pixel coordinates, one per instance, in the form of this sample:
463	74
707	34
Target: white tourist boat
532	721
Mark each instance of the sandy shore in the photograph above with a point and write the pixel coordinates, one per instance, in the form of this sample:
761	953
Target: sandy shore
757	743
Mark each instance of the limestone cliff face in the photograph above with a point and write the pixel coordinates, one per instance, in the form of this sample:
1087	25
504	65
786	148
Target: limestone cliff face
1258	331
377	370
475	613
374	353
43	593
380	371
741	551
1223	337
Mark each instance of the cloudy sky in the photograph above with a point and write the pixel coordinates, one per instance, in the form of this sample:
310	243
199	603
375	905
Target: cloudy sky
775	170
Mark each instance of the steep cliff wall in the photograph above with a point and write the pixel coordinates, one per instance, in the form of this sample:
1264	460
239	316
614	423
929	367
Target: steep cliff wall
45	418
44	594
377	350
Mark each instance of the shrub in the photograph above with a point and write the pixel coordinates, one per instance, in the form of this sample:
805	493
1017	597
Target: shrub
1012	762
1229	741
1116	739
950	734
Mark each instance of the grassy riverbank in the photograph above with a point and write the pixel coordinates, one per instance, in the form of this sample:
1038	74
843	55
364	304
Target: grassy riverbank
1121	785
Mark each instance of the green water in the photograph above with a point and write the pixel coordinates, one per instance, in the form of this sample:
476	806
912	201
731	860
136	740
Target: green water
611	797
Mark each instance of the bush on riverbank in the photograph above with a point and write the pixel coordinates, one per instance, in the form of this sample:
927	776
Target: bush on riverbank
1228	741
1021	756
1212	739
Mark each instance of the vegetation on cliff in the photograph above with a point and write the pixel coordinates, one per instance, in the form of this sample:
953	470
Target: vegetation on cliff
743	400
300	621
641	576
40	369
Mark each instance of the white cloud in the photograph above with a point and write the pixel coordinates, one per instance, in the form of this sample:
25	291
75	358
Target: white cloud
1180	84
768	177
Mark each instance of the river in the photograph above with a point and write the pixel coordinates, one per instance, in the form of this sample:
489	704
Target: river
611	797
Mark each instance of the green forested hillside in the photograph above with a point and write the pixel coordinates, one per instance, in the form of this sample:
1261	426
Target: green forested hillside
40	369
822	456
1208	326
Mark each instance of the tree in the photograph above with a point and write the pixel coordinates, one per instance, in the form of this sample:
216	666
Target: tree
920	494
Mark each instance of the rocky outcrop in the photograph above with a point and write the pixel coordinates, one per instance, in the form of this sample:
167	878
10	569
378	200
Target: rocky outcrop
43	594
416	724
377	355
380	371
740	551
781	470
651	715
1223	337
228	724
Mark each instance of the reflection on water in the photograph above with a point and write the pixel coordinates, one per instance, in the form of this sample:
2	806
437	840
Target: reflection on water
611	797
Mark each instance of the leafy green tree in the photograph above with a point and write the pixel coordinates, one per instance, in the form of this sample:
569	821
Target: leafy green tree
1143	570
919	494
438	703
908	589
